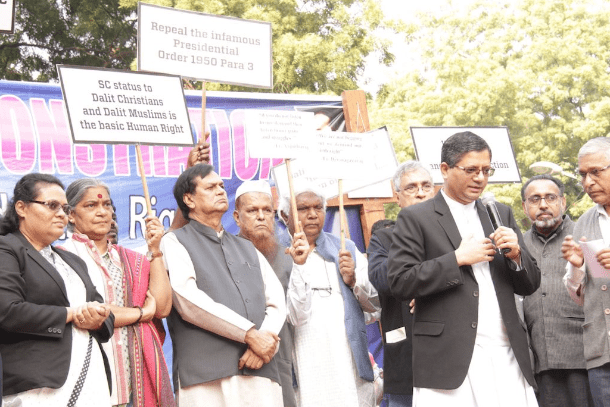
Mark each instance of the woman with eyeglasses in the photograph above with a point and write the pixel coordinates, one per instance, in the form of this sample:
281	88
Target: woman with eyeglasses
52	320
137	289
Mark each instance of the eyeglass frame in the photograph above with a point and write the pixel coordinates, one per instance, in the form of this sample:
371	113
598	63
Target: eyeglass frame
425	188
594	173
540	198
64	207
487	172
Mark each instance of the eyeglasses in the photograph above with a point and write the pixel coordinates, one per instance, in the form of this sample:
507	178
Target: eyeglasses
323	292
474	171
413	189
54	206
550	199
594	173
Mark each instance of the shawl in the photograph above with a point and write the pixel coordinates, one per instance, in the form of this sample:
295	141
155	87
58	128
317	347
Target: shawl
328	247
150	382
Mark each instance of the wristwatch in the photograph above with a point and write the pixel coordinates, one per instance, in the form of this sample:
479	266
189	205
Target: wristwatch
152	255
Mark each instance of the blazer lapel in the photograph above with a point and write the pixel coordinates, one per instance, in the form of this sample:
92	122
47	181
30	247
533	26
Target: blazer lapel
43	263
446	220
82	273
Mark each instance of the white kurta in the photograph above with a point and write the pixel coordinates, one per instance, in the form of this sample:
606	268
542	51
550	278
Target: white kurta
325	369
494	377
196	307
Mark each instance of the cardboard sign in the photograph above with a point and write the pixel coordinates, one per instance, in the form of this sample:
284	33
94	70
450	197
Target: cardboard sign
204	47
279	133
428	141
108	106
7	16
380	167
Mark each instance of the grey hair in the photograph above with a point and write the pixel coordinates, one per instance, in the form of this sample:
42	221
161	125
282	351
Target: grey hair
77	189
405	168
299	188
595	145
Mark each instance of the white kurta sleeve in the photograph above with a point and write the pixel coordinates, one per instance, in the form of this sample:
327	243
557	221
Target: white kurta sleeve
194	305
574	280
298	297
275	311
363	289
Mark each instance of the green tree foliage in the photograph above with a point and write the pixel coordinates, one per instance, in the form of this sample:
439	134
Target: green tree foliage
541	68
78	32
319	46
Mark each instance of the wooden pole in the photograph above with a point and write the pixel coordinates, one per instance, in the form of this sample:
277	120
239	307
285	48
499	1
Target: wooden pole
342	215
203	106
143	177
293	199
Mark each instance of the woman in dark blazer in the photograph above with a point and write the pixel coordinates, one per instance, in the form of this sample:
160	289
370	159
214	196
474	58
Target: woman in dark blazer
51	318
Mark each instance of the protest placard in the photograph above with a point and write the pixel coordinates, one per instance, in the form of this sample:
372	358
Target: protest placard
379	167
428	141
108	106
204	46
279	133
7	16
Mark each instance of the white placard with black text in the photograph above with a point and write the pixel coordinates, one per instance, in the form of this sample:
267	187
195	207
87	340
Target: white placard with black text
108	106
429	140
380	166
7	16
204	46
279	133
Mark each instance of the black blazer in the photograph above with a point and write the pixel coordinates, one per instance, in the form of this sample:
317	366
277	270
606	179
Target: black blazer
423	266
397	372
35	341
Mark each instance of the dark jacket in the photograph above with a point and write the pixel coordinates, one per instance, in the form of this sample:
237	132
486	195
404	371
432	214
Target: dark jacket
35	341
395	316
423	266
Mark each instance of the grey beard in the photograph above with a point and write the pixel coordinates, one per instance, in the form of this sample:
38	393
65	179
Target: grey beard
548	223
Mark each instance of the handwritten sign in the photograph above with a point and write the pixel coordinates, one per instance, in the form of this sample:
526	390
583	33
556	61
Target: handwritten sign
7	16
429	140
279	133
340	155
120	107
203	46
380	166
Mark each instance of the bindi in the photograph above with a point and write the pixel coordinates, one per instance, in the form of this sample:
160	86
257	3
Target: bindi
99	196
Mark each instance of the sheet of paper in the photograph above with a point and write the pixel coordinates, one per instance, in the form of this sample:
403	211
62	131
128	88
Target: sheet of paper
590	250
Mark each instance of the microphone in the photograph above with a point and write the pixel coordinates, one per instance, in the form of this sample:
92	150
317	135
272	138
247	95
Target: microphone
489	201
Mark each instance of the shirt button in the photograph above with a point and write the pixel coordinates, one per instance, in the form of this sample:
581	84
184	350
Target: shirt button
229	263
474	325
247	300
607	311
544	294
604	287
475	293
110	283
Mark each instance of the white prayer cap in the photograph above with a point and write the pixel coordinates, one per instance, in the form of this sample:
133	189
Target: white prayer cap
253	186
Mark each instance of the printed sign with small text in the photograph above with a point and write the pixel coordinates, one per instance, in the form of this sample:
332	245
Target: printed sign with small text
204	46
121	107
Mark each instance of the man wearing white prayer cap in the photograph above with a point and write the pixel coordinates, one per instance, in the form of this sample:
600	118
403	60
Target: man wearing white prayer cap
255	218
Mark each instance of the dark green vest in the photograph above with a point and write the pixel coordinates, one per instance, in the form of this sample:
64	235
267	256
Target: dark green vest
227	270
